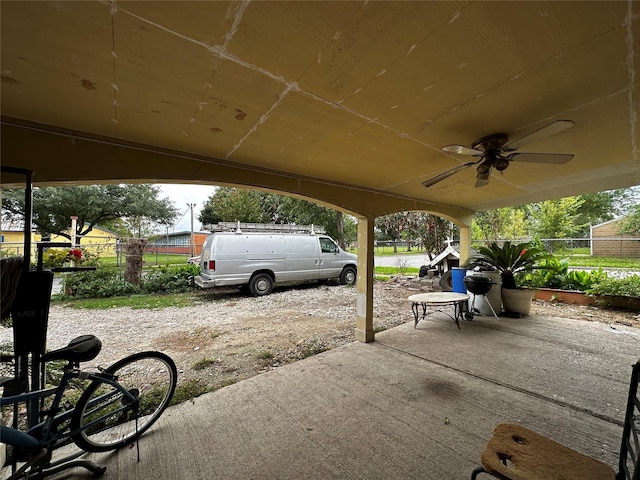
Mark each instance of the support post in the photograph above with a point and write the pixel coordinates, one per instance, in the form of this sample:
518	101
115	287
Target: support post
465	240
364	305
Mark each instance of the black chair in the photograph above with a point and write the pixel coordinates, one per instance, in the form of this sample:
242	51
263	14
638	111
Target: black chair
517	453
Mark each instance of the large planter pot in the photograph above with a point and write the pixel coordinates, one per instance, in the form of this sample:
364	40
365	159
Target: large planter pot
564	296
517	300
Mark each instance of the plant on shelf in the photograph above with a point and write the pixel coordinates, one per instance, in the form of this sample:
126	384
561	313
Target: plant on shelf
509	259
54	257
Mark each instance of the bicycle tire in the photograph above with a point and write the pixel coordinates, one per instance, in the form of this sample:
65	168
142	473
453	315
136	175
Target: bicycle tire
151	376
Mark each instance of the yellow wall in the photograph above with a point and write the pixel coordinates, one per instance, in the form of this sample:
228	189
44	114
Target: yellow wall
13	243
97	242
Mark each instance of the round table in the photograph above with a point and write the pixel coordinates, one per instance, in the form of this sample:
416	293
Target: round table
437	300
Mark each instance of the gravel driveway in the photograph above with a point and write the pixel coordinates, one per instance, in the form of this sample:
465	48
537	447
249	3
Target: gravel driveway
228	337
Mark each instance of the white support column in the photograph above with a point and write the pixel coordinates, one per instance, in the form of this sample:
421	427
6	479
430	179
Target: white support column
364	306
465	241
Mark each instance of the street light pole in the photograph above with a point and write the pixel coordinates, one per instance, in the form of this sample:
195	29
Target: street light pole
193	246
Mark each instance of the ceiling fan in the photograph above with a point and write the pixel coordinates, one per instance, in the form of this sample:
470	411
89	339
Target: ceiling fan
496	151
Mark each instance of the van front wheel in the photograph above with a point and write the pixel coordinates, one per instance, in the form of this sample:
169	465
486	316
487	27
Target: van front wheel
260	284
348	276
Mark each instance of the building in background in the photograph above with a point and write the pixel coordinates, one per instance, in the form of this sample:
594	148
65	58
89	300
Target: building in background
607	242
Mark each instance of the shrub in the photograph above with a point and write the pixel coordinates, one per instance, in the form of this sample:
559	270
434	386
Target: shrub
625	287
104	282
170	279
99	283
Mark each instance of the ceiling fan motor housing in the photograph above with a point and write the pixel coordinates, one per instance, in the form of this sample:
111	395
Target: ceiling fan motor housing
491	143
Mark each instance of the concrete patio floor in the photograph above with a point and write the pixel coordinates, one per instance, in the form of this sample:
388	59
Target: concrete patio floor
416	403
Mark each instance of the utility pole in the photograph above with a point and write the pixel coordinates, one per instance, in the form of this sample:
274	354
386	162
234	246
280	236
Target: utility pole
193	246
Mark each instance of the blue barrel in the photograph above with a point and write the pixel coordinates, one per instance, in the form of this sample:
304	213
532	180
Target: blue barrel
457	279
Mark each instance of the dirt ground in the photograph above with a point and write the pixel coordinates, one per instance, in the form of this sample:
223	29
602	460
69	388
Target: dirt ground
297	322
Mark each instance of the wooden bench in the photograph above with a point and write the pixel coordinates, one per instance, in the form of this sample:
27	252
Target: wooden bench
516	453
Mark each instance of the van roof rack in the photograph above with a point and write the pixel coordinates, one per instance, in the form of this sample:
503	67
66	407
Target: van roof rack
263	227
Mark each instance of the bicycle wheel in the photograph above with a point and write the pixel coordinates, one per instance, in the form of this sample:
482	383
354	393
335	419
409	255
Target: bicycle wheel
107	420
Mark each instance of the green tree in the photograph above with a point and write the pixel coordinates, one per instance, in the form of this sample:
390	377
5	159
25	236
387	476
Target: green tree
430	230
499	224
601	207
135	205
433	232
235	204
556	218
391	226
296	210
631	224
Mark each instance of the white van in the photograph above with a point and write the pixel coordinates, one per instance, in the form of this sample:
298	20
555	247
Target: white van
260	260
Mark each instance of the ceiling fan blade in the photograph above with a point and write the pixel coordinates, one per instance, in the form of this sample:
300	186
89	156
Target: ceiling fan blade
551	129
541	157
448	173
461	150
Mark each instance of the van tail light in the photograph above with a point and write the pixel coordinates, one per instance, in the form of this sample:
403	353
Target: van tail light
212	265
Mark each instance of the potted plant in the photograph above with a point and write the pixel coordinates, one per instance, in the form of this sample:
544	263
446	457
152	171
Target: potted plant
510	259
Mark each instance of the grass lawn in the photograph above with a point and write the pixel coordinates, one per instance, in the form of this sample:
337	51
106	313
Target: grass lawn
134	301
604	262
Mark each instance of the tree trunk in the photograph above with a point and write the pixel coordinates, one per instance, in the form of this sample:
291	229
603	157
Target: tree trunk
340	229
133	265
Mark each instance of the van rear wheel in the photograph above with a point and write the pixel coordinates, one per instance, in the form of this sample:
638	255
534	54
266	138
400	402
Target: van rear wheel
261	284
348	276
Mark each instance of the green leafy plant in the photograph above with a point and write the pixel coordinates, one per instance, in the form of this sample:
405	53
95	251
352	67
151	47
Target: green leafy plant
551	273
105	282
100	283
508	259
54	257
626	287
170	279
554	273
583	280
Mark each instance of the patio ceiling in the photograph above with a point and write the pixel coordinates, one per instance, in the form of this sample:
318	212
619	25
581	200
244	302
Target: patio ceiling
358	95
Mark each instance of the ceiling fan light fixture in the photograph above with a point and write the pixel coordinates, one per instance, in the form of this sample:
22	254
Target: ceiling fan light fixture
483	169
501	164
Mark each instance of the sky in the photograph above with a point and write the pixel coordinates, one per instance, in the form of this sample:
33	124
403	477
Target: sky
180	196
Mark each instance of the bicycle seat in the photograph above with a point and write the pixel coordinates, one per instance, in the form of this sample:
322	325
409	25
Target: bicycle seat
80	349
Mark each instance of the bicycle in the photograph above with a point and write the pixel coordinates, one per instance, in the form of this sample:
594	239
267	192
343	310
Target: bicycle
118	405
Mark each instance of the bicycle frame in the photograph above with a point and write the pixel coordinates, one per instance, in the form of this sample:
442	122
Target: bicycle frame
47	434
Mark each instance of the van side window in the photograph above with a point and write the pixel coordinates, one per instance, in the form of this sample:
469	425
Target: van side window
300	244
327	246
231	244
